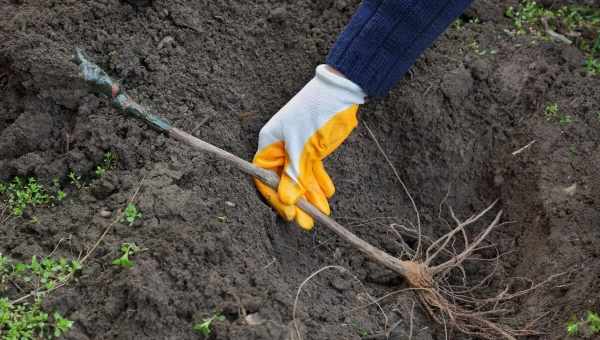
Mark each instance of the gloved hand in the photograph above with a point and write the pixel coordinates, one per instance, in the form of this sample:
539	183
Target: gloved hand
296	139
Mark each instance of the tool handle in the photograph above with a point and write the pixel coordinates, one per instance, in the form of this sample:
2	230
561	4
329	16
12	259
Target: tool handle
102	83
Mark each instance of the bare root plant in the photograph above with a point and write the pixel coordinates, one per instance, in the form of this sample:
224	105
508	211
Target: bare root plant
428	271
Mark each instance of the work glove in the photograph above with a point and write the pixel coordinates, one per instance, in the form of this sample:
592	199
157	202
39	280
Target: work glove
296	139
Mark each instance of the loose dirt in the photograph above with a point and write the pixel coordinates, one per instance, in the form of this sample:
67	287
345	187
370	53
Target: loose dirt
220	69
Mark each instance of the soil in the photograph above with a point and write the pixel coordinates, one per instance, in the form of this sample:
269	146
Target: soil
219	69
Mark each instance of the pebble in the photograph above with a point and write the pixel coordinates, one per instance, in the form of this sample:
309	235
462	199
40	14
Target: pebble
105	213
254	319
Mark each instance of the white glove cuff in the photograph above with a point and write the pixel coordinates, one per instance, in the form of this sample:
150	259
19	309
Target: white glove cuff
351	91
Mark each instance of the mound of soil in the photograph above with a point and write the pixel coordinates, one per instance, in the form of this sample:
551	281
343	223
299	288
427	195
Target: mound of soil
220	69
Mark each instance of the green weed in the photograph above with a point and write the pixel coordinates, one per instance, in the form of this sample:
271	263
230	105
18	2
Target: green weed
44	273
26	320
527	16
61	325
572	328
22	194
60	194
592	65
204	327
362	332
570	21
593	322
589	326
552	113
127	250
108	162
131	213
75	179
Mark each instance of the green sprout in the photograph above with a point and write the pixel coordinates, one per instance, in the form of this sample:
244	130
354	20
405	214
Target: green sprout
552	113
131	213
589	326
592	65
100	171
60	194
61	325
362	332
593	322
127	249
108	163
572	328
204	327
75	179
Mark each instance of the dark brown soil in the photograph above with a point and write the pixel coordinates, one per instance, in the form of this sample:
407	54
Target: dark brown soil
450	127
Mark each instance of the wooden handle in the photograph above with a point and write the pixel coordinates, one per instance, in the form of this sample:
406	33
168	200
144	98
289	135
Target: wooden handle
271	179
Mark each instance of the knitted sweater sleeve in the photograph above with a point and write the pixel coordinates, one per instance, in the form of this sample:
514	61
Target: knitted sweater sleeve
385	37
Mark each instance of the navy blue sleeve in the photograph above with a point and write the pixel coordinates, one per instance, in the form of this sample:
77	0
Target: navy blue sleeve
385	38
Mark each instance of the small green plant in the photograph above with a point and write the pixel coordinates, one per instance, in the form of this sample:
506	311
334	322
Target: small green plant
362	332
27	320
108	163
589	326
127	250
60	194
592	65
100	171
75	179
204	327
526	16
131	213
593	322
572	328
552	113
45	273
61	325
22	193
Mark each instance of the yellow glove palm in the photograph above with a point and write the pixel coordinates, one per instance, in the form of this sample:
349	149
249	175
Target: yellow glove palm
297	139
